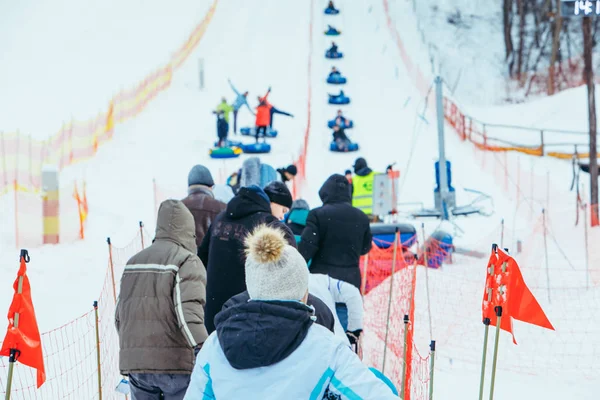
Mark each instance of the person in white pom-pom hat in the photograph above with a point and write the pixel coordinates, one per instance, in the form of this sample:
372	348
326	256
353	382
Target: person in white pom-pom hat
270	347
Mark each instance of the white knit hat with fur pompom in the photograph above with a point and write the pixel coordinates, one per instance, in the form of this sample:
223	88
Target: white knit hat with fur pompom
274	269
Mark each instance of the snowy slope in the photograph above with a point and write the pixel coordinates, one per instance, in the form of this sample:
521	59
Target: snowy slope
178	128
65	59
172	135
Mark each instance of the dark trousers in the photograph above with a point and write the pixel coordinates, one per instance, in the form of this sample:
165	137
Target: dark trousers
260	129
342	312
158	386
235	121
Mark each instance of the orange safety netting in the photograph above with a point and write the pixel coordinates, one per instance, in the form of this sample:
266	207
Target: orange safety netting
70	351
26	227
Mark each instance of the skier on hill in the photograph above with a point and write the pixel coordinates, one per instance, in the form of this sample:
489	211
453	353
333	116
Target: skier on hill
336	234
222	250
270	347
159	315
201	200
240	101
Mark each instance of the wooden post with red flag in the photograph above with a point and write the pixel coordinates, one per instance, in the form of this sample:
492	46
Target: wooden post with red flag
22	341
507	297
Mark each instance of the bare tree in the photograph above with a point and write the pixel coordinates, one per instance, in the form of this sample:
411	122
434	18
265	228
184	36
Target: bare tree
556	27
508	43
522	15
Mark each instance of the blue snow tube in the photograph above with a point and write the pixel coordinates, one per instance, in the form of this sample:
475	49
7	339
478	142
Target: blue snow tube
385	380
225	152
332	32
336	79
383	234
331	124
332	11
351	147
332	55
339	99
256	148
229	143
271	133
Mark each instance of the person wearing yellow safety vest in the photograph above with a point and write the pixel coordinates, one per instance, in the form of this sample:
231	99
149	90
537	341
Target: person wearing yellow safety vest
362	186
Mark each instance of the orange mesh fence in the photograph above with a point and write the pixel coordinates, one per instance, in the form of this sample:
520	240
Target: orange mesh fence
26	227
70	351
389	316
22	158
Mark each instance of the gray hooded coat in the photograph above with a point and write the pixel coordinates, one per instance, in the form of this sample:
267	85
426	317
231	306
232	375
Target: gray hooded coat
160	315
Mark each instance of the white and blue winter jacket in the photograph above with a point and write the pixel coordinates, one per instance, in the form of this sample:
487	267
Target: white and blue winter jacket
272	350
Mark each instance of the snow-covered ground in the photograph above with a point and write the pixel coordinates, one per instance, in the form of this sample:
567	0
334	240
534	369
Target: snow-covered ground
177	129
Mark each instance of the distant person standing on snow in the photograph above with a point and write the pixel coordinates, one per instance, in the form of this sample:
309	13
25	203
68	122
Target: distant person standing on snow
273	111
240	101
160	311
263	119
222	129
225	109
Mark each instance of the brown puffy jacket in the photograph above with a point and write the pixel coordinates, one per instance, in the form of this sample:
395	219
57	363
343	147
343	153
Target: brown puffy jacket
204	207
160	314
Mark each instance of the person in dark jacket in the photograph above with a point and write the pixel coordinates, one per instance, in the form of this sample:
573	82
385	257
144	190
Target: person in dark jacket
273	110
222	250
201	201
323	313
159	314
288	173
336	234
222	128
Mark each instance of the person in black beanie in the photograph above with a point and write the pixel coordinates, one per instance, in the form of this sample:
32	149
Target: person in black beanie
288	173
280	197
222	250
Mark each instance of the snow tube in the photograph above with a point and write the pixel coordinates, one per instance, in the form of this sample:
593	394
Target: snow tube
256	148
332	11
384	379
271	133
337	54
336	79
225	152
229	143
333	32
351	147
331	124
339	99
383	234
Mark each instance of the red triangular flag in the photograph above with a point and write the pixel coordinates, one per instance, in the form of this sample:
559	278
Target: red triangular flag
26	337
506	288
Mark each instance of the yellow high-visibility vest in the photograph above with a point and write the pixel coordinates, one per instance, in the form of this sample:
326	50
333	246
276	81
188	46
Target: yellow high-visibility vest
362	198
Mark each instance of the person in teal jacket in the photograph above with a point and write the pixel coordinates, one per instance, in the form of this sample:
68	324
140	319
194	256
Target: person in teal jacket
240	100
